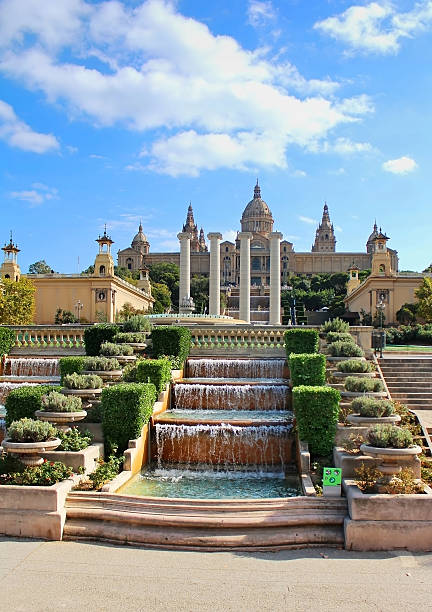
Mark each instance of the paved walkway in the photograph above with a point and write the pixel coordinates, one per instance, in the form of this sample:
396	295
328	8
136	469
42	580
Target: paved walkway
51	576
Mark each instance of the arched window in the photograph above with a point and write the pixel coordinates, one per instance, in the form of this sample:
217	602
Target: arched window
102	270
7	276
129	263
326	237
382	268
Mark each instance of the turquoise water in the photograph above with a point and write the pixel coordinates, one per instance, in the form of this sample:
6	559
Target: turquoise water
278	416
208	484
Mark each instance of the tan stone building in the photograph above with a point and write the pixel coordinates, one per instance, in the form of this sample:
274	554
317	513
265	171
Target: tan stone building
91	297
257	219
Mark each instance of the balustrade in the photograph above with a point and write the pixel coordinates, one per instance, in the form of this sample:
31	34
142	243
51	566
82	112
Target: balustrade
48	336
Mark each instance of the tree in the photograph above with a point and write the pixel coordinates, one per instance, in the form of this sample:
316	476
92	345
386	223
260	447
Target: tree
39	267
169	275
17	301
162	296
424	295
88	270
406	315
200	292
64	316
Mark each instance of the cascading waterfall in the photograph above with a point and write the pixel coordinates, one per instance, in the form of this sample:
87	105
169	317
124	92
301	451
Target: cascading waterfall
239	397
236	368
32	367
7	387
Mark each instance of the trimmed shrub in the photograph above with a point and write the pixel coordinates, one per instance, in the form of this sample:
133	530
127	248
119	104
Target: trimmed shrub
29	430
345	349
24	401
307	369
137	323
358	366
109	349
363	385
82	381
57	402
335	325
125	409
371	407
71	365
73	440
389	436
137	337
171	340
96	335
156	371
7	340
101	364
339	337
176	363
317	411
301	341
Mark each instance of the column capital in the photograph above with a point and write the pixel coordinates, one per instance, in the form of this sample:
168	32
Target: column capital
184	236
276	235
214	236
244	235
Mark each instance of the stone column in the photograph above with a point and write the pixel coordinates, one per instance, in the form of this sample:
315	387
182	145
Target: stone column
214	281
184	289
275	279
245	280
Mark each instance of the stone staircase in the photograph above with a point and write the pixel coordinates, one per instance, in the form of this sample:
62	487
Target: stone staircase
409	380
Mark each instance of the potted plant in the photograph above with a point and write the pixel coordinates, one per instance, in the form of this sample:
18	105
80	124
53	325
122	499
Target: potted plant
363	386
355	367
137	340
368	411
28	438
84	386
107	368
122	352
392	446
61	410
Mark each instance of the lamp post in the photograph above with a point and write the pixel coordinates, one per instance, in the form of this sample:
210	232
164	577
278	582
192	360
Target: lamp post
380	306
78	307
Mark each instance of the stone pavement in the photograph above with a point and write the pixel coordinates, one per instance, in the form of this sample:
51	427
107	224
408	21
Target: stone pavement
52	576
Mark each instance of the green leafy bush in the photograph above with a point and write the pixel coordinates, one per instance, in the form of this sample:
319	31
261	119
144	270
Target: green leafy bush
358	366
307	369
29	430
126	407
335	325
82	381
339	337
97	334
301	341
175	361
57	402
389	436
101	364
109	349
371	407
7	340
137	323
317	411
363	385
45	475
104	473
156	371
137	337
73	440
171	340
24	401
409	334
70	365
345	349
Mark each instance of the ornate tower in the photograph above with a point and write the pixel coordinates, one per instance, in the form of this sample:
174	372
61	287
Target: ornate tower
140	242
325	241
353	281
191	228
202	243
371	240
104	263
381	260
144	280
10	268
256	217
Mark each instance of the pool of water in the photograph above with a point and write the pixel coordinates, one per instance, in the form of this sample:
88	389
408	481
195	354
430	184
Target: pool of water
208	484
284	416
235	381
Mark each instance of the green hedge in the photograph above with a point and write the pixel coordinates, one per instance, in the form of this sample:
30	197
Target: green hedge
24	401
317	411
7	340
70	365
156	371
307	369
125	409
96	335
171	340
301	341
339	337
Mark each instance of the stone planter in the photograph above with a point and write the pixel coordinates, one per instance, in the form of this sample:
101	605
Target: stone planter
106	375
85	458
61	420
138	347
390	459
376	394
356	419
125	359
88	396
338	374
30	452
330	358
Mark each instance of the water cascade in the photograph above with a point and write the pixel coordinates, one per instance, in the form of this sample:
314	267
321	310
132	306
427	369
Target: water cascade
232	396
29	366
236	368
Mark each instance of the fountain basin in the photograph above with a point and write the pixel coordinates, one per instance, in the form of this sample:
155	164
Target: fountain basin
231	396
236	417
237	368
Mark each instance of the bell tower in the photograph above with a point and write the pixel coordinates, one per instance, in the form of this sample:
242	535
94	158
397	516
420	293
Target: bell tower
381	261
104	263
353	281
10	268
325	240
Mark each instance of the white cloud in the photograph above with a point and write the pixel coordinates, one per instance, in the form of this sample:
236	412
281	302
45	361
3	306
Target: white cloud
342	146
402	165
95	156
308	220
338	228
39	194
377	27
260	12
229	235
20	135
299	173
213	103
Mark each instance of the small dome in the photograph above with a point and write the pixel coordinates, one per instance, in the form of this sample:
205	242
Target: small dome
140	237
257	207
374	234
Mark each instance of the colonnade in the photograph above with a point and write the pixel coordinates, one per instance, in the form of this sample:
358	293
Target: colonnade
245	274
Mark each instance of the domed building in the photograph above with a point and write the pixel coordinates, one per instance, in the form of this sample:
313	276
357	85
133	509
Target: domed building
133	257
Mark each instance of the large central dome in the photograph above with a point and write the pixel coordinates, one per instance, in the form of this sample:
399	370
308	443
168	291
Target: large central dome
257	216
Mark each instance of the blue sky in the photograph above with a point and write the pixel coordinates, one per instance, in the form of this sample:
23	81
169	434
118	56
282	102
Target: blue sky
115	111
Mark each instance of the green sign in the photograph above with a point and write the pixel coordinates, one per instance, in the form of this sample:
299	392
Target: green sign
332	477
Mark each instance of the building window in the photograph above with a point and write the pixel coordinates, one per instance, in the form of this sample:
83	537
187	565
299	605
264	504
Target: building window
226	249
102	270
256	263
129	263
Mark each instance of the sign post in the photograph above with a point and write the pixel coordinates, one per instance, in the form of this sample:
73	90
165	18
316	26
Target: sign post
332	480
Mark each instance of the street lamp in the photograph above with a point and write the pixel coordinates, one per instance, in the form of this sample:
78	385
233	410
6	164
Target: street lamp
380	307
78	307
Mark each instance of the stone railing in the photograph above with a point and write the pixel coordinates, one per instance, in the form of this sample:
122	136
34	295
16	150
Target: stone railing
49	336
237	337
